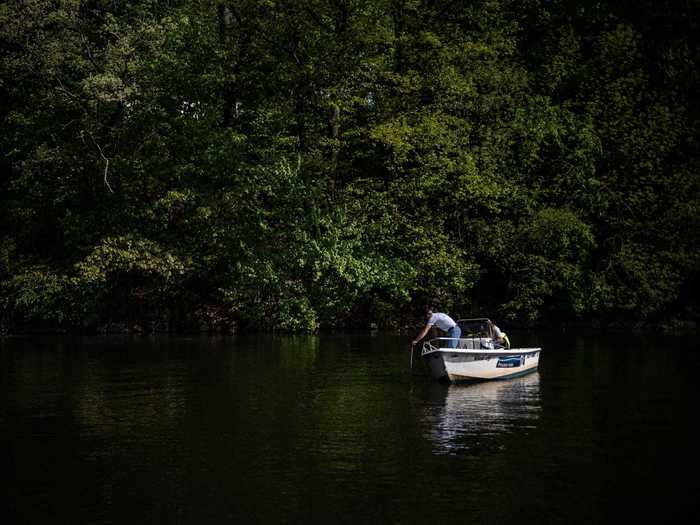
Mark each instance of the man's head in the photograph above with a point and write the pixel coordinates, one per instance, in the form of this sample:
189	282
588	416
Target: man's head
428	312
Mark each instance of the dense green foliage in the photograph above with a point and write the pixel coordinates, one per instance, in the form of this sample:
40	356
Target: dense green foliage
295	164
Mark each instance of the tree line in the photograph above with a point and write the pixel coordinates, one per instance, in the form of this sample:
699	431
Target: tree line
305	164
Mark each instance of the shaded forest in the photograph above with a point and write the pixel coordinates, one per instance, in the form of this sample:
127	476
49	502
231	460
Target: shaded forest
305	164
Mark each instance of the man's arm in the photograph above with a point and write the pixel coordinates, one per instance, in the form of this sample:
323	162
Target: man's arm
422	334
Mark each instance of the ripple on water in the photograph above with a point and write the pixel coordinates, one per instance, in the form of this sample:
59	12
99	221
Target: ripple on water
464	418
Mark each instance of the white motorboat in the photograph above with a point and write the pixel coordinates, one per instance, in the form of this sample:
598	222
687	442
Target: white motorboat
476	357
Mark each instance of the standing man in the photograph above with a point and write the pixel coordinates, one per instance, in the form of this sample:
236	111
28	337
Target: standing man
445	323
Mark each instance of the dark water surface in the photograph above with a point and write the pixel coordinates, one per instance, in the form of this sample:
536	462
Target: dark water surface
336	429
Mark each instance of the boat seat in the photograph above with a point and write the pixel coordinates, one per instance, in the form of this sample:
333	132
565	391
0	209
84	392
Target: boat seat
474	344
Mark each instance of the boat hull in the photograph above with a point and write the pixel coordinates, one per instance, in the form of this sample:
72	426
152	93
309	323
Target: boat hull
457	365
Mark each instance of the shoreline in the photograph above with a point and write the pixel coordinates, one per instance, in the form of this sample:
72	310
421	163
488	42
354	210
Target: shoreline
669	327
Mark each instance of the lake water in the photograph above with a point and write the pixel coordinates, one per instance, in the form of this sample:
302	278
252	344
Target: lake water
338	429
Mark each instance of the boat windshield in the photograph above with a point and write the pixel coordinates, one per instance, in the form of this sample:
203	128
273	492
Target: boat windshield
473	327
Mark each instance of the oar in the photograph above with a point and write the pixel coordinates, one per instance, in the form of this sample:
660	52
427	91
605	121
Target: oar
412	347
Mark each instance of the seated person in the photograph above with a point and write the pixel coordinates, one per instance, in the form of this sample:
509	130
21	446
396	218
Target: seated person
495	334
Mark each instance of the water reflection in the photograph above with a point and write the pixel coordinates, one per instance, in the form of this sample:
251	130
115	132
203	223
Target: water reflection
473	417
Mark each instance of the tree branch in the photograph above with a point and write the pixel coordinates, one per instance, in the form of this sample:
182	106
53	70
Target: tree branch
106	162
